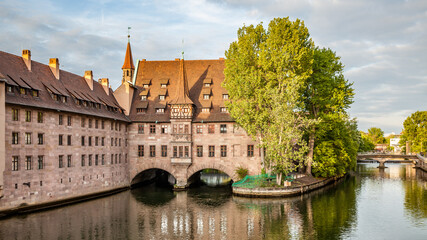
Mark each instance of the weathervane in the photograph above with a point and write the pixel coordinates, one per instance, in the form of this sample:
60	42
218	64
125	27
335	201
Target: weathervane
182	48
129	34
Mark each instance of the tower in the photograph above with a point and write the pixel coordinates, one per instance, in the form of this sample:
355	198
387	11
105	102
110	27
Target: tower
128	67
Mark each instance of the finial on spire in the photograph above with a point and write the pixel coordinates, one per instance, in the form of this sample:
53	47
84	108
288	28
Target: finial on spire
129	34
182	48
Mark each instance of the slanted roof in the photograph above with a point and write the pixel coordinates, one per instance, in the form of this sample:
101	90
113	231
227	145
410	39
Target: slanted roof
128	64
207	80
41	78
146	81
182	92
144	92
163	92
164	81
142	104
206	91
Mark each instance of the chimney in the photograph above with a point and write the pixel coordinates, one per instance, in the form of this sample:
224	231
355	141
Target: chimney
105	84
54	67
89	79
26	56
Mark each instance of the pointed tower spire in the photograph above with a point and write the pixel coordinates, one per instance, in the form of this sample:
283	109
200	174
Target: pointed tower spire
182	93
128	67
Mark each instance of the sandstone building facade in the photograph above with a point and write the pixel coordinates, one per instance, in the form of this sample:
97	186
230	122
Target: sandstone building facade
63	135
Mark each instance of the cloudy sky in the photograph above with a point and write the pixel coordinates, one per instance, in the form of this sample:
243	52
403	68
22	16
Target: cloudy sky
383	43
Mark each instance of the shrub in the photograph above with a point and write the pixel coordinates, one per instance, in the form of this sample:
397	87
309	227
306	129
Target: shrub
241	172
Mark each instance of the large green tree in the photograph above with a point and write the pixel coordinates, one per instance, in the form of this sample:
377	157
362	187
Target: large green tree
365	143
415	131
327	92
376	135
265	72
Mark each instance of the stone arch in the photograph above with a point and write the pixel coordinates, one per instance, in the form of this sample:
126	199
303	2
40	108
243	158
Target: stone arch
152	165
227	170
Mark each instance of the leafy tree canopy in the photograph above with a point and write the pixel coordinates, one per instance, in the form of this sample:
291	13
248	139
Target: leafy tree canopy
415	131
376	135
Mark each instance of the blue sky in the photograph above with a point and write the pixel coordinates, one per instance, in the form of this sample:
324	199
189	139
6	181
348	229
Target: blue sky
382	42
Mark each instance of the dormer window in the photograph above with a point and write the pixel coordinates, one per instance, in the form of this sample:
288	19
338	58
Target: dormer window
9	89
145	85
223	110
140	110
35	93
206	96
64	99
207	82
206	110
161	97
207	85
225	96
163	85
143	98
22	90
160	110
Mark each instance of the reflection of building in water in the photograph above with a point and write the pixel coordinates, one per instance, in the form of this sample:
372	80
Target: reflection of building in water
184	219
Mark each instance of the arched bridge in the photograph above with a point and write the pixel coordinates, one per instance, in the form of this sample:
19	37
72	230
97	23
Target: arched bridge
383	158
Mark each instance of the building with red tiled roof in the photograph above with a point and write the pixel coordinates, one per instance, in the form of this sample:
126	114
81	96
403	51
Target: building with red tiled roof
64	135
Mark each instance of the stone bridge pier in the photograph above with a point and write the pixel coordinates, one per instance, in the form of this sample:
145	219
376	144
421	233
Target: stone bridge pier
381	163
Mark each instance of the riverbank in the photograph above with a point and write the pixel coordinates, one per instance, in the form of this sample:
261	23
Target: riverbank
24	209
299	186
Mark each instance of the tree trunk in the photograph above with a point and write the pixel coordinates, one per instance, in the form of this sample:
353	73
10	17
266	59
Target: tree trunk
279	179
310	152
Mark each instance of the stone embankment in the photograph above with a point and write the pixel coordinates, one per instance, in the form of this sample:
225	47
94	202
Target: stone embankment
298	187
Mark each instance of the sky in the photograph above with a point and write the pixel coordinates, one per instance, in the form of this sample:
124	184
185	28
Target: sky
382	43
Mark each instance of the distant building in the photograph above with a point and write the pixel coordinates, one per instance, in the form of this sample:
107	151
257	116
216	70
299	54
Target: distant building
394	142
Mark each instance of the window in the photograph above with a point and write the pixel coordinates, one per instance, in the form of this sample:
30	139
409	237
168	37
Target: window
90	160
28	164
27	138
102	141
120	142
211	128
164	151
96	159
15	163
40	117
140	150
140	110
206	96
223	128
199	151
181	151
112	158
40	138
83	160
250	150
96	123
9	89
175	151
40	162
60	120
152	151
115	142
69	140
152	128
69	120
140	128
22	90
199	129
211	151
143	98
112	125
60	161
83	122
181	128
145	85
206	110
223	151
15	137
69	161
90	123
186	129
161	97
103	124
160	110
28	116
186	151
225	96
115	159
90	141
103	159
83	140
35	93
120	158
96	141
60	140
207	85
15	114
223	110
164	129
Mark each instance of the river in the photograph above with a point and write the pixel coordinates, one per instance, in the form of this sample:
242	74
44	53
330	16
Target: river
369	204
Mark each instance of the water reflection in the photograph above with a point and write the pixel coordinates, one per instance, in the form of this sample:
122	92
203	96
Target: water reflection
370	204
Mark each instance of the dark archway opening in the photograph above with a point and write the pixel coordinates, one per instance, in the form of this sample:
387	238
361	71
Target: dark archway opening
210	178
154	176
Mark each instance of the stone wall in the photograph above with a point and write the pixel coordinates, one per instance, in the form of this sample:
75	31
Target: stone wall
29	186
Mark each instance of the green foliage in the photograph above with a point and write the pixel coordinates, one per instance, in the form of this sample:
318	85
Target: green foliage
376	135
265	72
337	146
415	131
365	143
241	172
